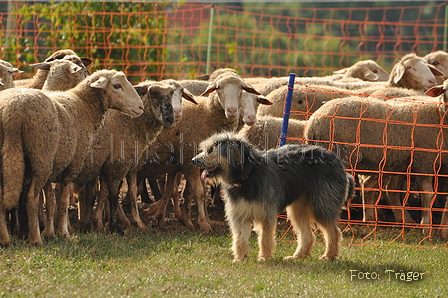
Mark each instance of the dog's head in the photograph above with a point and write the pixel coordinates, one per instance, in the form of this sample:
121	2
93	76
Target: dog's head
225	158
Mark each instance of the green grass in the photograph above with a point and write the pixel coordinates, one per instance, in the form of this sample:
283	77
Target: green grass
190	264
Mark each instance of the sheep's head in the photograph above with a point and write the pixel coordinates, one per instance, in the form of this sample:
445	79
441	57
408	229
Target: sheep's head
62	74
229	88
179	93
366	70
413	72
120	94
158	99
439	60
7	71
70	55
439	90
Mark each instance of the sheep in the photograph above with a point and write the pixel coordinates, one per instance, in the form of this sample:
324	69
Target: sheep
439	60
366	70
404	126
216	73
38	80
362	74
196	87
62	74
132	138
45	136
410	76
7	71
217	112
265	134
119	146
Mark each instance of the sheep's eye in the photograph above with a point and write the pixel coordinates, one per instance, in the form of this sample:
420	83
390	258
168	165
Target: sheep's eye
375	71
117	86
435	63
210	150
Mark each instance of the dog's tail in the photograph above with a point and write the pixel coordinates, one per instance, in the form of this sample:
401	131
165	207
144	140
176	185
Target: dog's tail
350	190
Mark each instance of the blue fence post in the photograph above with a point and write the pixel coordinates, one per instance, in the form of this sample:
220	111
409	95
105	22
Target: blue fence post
287	109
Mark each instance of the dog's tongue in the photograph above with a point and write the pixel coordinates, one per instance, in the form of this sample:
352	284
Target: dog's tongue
204	174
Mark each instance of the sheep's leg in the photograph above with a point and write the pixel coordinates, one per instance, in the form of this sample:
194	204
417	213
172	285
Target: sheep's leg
100	208
163	202
32	208
122	218
133	194
50	204
114	188
185	219
86	201
64	199
427	196
175	196
154	188
401	215
4	235
369	198
198	191
444	222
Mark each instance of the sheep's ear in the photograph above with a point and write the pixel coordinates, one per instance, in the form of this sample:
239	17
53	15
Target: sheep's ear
264	101
435	91
340	71
188	96
250	89
210	88
203	77
75	68
435	71
370	76
41	65
399	72
101	83
15	71
86	61
141	90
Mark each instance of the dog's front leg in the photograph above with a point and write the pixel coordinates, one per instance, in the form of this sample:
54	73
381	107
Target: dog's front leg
266	238
240	235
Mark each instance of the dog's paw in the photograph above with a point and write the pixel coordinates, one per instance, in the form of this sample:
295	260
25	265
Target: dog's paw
289	258
326	258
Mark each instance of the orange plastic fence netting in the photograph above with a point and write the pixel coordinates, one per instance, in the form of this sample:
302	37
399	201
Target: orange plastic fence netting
396	150
169	40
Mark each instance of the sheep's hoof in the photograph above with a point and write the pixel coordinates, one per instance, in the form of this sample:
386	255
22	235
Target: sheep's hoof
117	230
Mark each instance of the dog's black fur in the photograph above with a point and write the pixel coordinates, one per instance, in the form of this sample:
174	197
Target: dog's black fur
308	181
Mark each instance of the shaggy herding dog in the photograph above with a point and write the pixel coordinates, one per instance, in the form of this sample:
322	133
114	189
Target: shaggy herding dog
309	181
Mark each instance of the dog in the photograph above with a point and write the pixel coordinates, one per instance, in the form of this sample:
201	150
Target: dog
309	181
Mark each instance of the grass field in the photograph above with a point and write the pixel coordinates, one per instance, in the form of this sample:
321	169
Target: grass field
180	263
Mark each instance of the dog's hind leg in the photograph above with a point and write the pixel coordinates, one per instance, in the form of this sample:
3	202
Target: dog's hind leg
266	238
332	236
300	216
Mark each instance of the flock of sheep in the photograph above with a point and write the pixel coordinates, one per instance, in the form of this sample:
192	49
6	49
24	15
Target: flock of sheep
67	131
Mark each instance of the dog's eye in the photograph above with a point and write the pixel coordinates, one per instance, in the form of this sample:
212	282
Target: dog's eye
210	150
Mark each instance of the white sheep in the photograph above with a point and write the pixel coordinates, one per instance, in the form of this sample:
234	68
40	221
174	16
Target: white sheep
7	73
265	133
38	80
361	129
63	74
366	70
439	60
46	136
